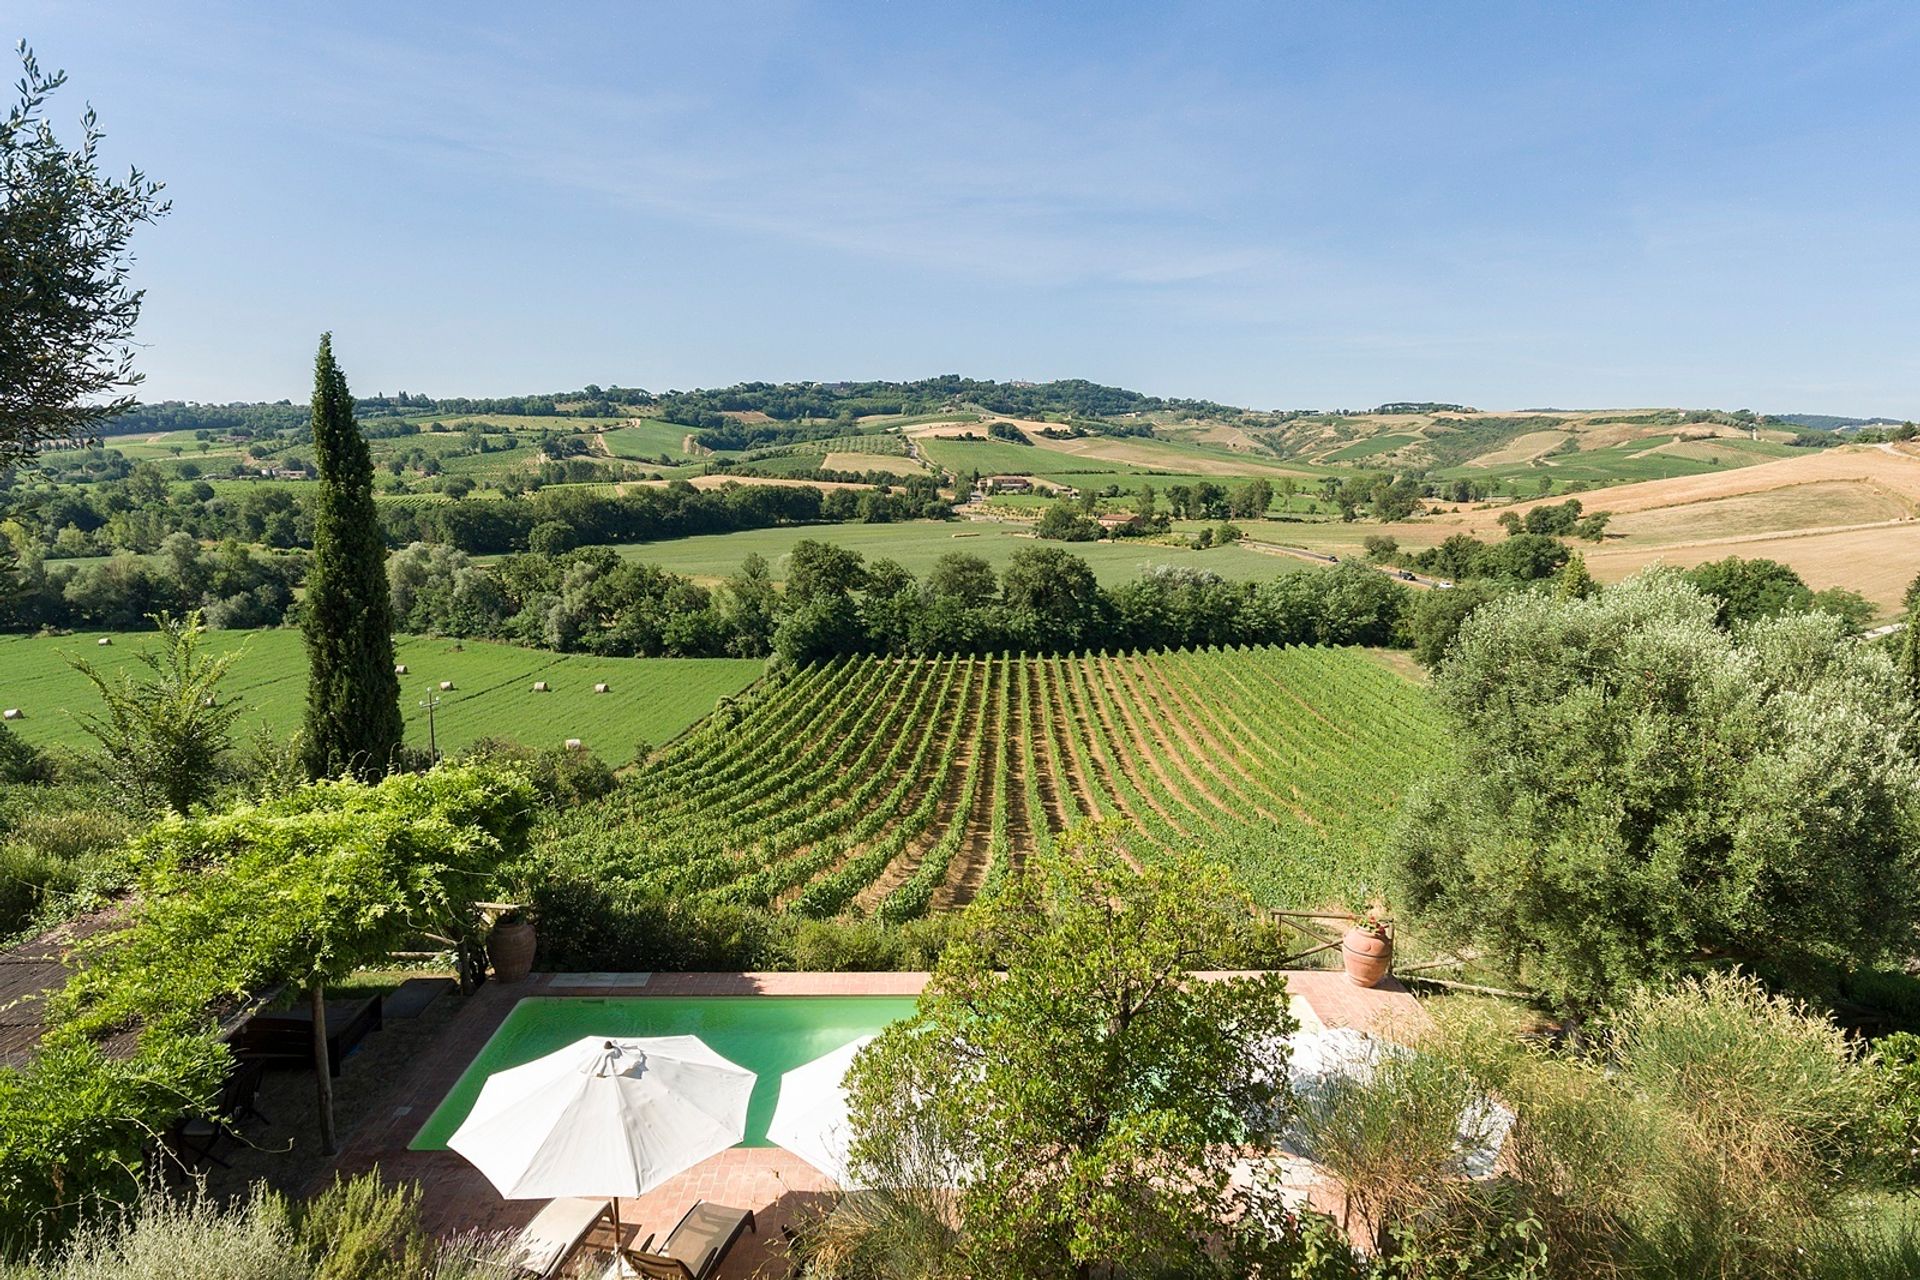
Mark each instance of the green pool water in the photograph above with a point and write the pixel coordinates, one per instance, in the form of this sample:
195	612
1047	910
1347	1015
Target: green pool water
768	1035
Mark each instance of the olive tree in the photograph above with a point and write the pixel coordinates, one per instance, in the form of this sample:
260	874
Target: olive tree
1634	791
66	355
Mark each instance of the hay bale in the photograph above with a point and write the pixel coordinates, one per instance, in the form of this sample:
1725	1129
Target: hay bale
104	640
574	744
208	701
11	713
446	685
601	688
540	686
399	668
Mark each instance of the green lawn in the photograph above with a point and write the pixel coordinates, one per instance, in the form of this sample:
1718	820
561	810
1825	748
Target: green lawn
918	543
650	699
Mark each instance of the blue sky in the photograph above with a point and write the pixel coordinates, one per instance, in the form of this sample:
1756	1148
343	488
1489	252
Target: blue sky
1275	205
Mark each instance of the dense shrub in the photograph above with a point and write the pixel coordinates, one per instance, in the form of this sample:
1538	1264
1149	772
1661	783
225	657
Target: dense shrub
559	775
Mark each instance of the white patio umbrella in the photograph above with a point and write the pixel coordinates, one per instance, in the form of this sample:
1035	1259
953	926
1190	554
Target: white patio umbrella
810	1119
605	1117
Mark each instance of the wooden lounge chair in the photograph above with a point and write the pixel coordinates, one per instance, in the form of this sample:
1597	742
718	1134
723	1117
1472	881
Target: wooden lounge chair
695	1247
555	1232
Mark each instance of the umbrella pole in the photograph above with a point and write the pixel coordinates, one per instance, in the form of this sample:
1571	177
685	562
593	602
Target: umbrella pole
618	1248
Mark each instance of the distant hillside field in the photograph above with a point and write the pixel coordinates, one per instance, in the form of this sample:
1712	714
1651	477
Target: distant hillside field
1839	517
648	699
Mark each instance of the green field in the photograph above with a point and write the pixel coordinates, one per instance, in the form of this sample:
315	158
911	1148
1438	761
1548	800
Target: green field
894	787
649	699
1368	448
918	543
998	458
649	438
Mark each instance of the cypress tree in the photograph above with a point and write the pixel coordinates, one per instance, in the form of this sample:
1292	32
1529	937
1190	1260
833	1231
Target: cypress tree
353	694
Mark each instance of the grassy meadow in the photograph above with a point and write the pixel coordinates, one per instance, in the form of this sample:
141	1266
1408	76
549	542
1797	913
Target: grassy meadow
648	699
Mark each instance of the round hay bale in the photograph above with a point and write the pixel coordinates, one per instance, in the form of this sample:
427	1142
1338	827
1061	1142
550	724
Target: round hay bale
540	686
399	668
446	685
11	713
601	688
574	744
104	640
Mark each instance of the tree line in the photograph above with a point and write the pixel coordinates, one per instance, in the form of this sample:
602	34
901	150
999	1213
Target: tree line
836	602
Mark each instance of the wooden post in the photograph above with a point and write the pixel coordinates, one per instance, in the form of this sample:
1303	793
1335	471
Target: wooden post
322	1068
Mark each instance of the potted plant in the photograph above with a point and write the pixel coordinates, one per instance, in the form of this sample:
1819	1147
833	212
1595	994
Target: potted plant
510	945
1367	951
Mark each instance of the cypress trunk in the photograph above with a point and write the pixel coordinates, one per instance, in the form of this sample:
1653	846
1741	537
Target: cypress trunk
353	695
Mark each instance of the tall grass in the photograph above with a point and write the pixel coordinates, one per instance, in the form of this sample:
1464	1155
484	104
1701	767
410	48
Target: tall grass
360	1229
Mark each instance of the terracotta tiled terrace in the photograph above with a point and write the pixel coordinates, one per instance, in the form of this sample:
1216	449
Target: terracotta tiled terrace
774	1183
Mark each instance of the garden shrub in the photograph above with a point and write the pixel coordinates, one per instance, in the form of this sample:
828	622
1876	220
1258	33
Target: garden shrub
1713	1130
355	1230
1897	1062
364	1229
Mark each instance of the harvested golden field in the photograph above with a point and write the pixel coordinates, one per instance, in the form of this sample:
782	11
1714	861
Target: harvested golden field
1878	561
1839	517
1526	448
1863	464
1161	454
1794	509
947	430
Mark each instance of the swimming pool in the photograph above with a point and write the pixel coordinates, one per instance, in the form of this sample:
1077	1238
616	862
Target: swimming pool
767	1035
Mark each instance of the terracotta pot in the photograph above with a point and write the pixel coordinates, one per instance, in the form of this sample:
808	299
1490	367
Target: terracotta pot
1367	956
510	949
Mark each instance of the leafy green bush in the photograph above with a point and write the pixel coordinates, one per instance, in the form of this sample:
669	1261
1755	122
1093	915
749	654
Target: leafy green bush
1897	1060
562	776
21	761
1095	1094
364	1229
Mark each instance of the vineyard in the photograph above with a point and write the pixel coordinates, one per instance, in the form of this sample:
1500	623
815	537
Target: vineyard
894	787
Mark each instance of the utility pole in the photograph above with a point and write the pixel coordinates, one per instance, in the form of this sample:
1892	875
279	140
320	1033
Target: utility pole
433	746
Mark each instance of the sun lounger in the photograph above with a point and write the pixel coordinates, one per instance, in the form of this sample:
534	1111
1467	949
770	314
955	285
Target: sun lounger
555	1232
694	1248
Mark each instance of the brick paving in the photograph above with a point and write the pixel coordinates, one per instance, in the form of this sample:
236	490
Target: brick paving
777	1185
